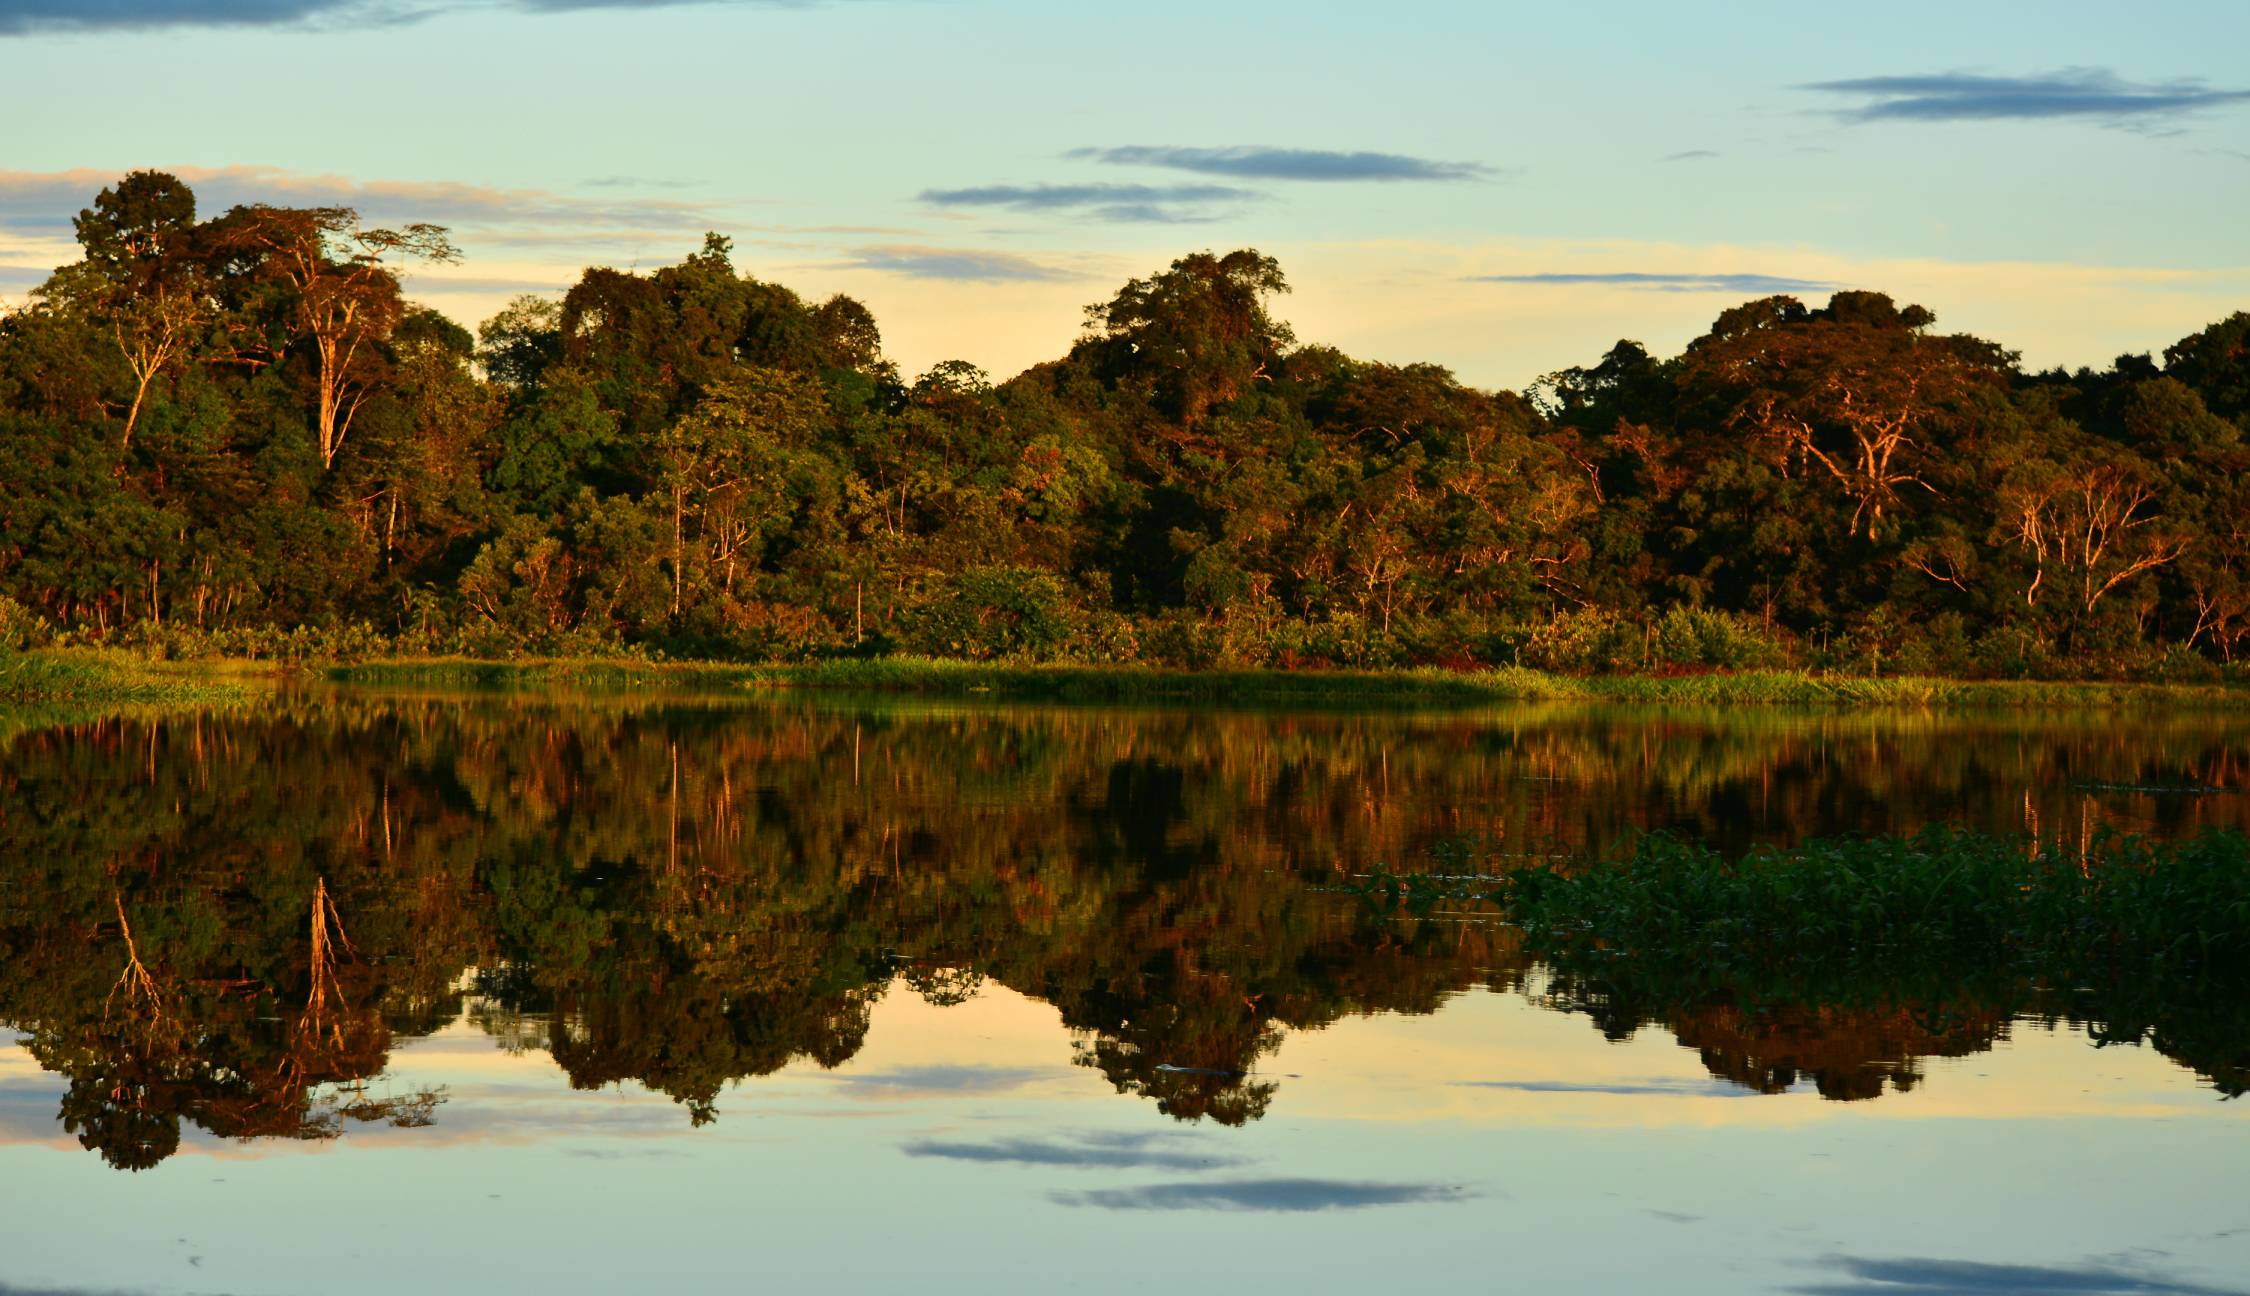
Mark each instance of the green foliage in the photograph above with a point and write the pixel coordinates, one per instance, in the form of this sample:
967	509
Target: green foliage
239	424
993	612
81	675
2176	914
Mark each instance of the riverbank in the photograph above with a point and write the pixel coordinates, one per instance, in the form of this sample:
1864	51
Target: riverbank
106	676
1430	687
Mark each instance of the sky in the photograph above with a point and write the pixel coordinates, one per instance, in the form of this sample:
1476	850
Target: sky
1502	189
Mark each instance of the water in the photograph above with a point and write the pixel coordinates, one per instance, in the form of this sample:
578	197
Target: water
524	993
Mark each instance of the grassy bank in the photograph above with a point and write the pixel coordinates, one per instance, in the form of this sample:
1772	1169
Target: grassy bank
106	676
1405	687
87	675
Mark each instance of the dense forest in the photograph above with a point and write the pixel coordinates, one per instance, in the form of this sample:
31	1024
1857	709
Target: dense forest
234	434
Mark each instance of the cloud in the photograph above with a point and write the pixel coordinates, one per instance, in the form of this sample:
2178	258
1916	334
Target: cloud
1109	1151
952	264
1907	1276
11	1289
50	198
1263	1195
20	16
2094	94
1122	203
24	17
1690	155
940	1079
1666	282
1634	1088
484	285
1245	162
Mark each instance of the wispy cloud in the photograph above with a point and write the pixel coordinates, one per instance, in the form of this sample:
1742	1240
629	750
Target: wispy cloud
31	17
48	199
939	1079
10	1289
483	285
1633	1088
20	16
1917	1276
1252	162
1665	282
952	263
1690	155
1101	1150
1264	1195
2094	94
1123	203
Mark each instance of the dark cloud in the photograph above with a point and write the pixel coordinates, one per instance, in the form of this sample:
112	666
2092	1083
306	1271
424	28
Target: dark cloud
20	17
1245	162
2088	93
573	6
947	263
1121	203
1108	1151
942	1079
1635	1088
1263	1195
1658	282
1916	1276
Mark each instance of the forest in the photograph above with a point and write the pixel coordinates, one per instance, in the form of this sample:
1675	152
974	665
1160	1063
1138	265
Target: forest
234	434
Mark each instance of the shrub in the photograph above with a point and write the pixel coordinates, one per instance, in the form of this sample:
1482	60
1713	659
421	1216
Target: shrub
990	612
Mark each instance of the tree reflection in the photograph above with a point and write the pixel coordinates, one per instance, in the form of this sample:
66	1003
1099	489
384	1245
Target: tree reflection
223	922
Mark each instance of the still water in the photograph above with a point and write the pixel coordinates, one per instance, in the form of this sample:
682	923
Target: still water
358	992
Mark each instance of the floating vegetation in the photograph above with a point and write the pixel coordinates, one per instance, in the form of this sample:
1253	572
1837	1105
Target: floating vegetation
2123	908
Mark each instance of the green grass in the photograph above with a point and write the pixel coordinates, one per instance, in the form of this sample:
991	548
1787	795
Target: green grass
1419	687
73	676
1431	686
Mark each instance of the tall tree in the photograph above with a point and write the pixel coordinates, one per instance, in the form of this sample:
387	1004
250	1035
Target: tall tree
345	299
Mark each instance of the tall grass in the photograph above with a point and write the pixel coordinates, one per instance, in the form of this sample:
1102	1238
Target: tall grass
1121	683
103	676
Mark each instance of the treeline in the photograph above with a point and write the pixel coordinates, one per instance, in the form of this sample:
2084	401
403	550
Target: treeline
235	434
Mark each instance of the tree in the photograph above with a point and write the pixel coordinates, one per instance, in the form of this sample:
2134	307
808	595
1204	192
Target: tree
1858	389
345	299
1196	335
2090	519
138	240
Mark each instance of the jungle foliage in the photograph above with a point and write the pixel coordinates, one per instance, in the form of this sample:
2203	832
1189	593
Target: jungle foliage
235	435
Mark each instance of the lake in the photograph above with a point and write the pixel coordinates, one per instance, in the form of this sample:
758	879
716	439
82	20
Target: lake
356	991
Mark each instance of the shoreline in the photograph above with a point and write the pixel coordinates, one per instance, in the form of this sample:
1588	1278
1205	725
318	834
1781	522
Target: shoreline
105	676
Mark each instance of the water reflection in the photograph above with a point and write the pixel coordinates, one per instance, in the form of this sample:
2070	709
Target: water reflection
227	921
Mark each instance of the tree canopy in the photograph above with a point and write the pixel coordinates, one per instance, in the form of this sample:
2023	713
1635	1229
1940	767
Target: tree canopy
219	430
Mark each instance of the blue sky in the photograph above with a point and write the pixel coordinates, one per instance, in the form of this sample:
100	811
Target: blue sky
1502	189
